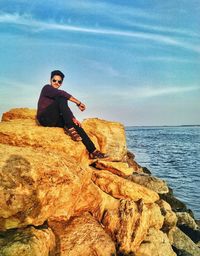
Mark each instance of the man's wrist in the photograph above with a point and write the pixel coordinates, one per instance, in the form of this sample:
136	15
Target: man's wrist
78	104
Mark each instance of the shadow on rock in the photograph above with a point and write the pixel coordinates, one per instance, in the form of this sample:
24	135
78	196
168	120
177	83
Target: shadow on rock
20	189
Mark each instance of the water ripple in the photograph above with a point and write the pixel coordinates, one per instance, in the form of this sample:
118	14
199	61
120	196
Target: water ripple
173	154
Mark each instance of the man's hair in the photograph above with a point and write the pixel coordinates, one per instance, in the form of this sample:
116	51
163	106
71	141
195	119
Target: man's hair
57	73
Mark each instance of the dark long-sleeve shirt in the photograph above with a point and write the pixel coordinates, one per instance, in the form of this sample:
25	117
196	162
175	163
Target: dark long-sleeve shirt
47	96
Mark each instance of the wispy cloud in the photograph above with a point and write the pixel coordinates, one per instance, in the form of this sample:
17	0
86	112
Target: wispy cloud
156	28
102	67
104	8
19	87
148	92
38	25
167	59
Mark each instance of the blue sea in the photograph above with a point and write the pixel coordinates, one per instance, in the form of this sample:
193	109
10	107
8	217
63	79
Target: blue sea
173	154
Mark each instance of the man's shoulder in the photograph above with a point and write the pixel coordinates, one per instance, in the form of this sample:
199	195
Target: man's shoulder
46	86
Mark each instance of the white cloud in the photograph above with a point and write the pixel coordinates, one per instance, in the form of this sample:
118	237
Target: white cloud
107	9
148	92
156	28
167	59
38	25
102	67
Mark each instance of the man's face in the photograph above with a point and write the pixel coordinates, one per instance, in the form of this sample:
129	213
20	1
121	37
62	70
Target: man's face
56	81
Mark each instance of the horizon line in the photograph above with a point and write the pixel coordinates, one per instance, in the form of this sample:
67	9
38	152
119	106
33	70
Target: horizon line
168	125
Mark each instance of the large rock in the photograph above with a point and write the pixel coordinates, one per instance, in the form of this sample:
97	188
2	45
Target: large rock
108	136
129	223
118	168
175	203
184	218
31	182
81	236
156	243
26	133
170	218
135	222
28	242
122	188
47	177
29	189
19	113
132	163
183	243
134	226
153	183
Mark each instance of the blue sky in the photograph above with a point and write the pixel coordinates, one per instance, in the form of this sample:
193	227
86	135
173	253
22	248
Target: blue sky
136	62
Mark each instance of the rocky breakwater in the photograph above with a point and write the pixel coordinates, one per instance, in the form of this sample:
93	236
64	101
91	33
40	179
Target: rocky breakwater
54	200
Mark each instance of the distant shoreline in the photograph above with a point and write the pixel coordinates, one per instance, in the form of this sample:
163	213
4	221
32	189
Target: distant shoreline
184	125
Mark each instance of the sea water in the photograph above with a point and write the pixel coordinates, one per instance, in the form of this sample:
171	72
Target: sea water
173	154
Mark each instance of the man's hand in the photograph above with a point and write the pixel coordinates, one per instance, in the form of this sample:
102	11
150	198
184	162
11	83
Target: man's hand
76	122
82	107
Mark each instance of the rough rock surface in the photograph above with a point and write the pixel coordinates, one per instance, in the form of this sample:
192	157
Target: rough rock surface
118	168
82	235
28	242
156	243
153	183
108	136
170	219
119	187
19	113
182	242
91	207
185	218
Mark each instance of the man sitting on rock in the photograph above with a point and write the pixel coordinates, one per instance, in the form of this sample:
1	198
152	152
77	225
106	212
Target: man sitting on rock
53	111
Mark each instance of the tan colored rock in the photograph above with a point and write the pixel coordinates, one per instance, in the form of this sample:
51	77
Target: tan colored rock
142	227
27	242
35	185
82	236
182	242
118	168
111	222
184	218
25	133
57	182
121	188
32	192
129	224
156	243
94	200
19	113
45	176
156	217
170	218
129	221
153	183
108	136
129	158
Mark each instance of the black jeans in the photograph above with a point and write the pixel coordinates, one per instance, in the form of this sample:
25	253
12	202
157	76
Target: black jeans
58	114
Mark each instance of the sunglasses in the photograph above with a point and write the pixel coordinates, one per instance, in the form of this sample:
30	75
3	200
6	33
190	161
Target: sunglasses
59	81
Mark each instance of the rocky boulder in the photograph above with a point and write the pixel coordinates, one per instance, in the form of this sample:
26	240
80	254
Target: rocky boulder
55	198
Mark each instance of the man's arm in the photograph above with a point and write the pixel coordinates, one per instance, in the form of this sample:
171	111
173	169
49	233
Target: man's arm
80	105
51	92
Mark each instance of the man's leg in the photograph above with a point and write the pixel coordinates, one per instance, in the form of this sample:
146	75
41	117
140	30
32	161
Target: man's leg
65	112
85	138
67	117
51	116
58	114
